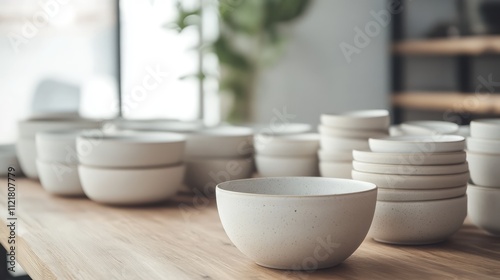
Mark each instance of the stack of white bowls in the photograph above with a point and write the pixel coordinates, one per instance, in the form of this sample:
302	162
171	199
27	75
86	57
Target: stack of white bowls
340	134
483	154
287	155
131	168
215	155
422	183
27	130
57	162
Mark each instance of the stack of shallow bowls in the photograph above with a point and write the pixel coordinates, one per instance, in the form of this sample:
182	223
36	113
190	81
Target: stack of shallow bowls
422	183
340	134
57	162
27	130
131	168
219	154
483	154
287	155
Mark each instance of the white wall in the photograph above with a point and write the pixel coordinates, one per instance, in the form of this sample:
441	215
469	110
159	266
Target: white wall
313	76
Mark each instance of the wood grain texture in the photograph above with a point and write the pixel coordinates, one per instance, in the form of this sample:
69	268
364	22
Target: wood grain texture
60	238
473	45
481	103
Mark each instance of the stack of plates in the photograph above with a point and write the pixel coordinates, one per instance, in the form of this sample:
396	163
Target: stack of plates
483	155
422	183
340	134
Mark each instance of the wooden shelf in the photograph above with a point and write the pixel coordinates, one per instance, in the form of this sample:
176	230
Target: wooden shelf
474	45
75	238
481	103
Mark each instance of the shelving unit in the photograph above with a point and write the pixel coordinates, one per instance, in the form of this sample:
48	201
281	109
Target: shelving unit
464	49
457	102
473	45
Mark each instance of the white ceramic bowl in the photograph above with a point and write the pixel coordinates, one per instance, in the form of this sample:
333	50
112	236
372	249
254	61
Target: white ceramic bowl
60	179
165	125
418	222
130	149
429	127
29	128
484	169
336	169
338	144
270	166
419	195
485	128
221	142
26	154
131	186
295	216
58	146
399	169
204	174
288	145
364	119
484	208
284	128
350	133
415	144
334	155
8	158
410	158
479	145
416	182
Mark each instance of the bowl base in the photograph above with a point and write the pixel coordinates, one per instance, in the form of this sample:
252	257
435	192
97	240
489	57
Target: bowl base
300	268
412	243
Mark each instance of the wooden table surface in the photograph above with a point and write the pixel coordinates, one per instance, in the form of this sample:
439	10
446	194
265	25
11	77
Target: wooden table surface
61	238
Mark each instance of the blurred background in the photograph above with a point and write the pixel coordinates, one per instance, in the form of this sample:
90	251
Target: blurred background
244	61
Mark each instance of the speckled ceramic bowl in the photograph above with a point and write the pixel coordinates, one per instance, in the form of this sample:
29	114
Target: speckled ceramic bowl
299	223
484	208
418	222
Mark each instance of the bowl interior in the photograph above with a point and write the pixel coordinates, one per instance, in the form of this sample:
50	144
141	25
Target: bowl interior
296	186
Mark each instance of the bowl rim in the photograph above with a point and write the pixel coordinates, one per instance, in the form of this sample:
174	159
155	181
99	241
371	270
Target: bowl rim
224	131
403	155
417	139
483	140
135	137
490	189
482	153
359	114
421	167
220	187
415	176
308	137
487	122
425	201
